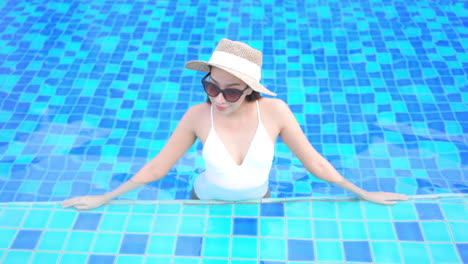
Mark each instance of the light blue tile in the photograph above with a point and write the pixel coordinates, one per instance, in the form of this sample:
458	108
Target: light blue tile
15	257
404	211
414	253
221	210
349	210
36	219
353	230
324	210
247	210
52	240
329	251
272	227
72	258
245	247
130	259
456	212
299	228
326	229
6	237
62	220
45	257
195	210
169	209
381	230
158	260
140	223
435	231
272	248
12	217
216	247
165	224
443	253
219	226
79	241
192	225
300	210
144	208
459	231
161	245
374	211
385	252
186	261
113	222
107	243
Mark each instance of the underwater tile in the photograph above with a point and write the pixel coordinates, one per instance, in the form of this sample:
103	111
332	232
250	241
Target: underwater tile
15	257
52	240
62	220
100	259
134	244
443	253
36	219
459	231
298	209
6	237
272	209
139	223
166	224
122	259
12	217
353	230
301	250
357	251
324	210
189	246
272	227
414	253
272	249
326	229
26	239
113	222
429	211
73	258
244	247
192	225
161	245
87	221
328	251
408	231
214	247
218	226
247	210
299	228
79	241
385	252
463	251
349	210
107	243
245	226
380	230
44	257
435	231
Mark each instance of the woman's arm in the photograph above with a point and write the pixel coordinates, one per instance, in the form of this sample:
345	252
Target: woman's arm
180	141
293	136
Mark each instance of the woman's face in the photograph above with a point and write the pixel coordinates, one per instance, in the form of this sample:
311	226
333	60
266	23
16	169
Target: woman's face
226	80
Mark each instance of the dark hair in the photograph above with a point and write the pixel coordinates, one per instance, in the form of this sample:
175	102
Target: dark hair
249	98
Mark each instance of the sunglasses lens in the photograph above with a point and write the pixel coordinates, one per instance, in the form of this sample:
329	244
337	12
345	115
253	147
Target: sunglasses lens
211	89
232	95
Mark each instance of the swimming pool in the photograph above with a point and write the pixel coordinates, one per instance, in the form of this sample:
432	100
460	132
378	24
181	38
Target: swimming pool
90	91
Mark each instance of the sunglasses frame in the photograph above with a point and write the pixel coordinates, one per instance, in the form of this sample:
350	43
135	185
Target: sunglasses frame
219	90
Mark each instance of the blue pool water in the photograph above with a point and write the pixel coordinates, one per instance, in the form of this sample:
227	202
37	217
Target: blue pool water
90	91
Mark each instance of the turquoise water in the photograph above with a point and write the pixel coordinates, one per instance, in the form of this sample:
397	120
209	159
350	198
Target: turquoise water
89	92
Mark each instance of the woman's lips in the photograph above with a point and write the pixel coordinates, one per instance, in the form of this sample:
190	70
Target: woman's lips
220	108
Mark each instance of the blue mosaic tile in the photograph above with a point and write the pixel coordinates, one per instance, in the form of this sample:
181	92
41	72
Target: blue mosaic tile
188	246
87	221
101	259
272	210
300	250
408	231
133	244
358	251
26	239
245	226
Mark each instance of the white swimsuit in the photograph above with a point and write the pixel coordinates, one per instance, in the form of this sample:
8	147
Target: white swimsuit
223	179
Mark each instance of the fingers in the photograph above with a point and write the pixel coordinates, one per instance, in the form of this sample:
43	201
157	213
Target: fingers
70	202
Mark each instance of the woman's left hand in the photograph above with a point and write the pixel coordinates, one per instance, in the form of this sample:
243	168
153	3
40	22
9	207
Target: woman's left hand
386	198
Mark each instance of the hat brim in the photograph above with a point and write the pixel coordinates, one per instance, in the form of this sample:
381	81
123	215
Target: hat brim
204	66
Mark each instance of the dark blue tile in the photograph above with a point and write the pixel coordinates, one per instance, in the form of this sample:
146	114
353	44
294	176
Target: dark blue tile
133	244
189	246
429	211
463	251
87	221
245	226
357	251
300	250
408	231
26	239
272	209
101	259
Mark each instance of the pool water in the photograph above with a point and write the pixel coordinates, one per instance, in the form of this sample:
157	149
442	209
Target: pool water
90	91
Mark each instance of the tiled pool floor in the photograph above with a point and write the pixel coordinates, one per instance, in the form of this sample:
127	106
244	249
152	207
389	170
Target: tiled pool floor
286	231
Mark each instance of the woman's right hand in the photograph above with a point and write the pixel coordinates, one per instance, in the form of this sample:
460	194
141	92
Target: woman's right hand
86	202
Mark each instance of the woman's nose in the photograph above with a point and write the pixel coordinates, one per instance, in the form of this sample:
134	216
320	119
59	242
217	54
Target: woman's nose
220	98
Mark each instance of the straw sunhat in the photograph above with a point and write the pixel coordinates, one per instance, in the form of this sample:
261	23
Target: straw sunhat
238	59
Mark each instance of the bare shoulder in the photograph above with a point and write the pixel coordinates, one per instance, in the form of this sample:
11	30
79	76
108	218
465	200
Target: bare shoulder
274	107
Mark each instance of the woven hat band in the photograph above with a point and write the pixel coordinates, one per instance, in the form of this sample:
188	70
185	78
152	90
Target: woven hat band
236	63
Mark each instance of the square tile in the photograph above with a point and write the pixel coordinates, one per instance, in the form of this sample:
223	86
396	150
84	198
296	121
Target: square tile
107	243
358	251
435	232
329	251
87	221
244	247
272	227
380	230
300	250
192	225
245	226
79	241
113	222
219	226
429	211
134	244
414	253
189	246
326	229
353	230
216	247
272	209
6	237
272	249
139	223
299	228
443	253
101	259
52	240
161	245
386	252
408	231
26	239
45	257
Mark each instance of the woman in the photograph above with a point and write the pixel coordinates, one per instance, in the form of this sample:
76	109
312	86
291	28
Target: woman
238	129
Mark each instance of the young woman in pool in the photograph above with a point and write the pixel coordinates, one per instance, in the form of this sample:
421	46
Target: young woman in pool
238	129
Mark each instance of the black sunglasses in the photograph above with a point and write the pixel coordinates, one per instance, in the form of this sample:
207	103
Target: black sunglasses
230	94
